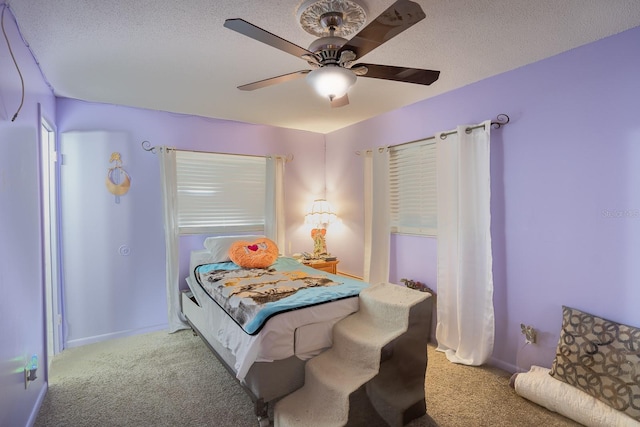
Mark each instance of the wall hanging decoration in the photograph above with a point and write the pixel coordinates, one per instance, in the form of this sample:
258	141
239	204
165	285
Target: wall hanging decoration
118	180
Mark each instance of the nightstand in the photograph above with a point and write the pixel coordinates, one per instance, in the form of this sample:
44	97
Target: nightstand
320	264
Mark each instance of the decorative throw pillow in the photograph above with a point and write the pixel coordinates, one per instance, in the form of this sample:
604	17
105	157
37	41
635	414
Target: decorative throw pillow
260	253
601	358
219	246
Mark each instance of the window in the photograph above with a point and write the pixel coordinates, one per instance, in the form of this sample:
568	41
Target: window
220	193
412	188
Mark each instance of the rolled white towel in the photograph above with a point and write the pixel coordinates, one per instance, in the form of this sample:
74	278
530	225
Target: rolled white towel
539	387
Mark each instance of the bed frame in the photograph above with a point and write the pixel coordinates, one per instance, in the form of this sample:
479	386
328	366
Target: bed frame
265	381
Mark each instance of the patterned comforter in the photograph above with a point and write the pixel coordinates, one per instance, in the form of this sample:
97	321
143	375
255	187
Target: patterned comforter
252	296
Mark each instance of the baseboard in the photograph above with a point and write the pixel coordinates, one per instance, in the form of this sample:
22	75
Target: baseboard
113	335
351	276
36	408
503	365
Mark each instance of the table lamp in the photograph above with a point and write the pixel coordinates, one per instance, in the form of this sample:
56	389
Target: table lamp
320	215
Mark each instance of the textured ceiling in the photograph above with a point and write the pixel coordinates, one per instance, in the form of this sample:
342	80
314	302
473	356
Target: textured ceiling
176	56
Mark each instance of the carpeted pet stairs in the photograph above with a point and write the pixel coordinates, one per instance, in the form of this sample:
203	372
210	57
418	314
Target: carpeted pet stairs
354	359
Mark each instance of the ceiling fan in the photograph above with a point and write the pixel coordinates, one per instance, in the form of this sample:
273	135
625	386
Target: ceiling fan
331	57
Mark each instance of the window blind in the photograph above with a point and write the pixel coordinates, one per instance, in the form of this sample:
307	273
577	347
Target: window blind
220	193
412	188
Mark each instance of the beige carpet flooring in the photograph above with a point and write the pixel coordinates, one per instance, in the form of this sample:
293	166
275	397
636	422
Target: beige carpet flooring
161	379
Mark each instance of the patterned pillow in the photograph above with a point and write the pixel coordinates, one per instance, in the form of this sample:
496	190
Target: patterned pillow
601	358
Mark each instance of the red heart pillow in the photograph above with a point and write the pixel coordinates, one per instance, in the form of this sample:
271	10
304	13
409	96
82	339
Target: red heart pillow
260	253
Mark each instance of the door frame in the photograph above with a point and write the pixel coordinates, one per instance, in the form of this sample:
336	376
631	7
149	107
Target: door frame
50	179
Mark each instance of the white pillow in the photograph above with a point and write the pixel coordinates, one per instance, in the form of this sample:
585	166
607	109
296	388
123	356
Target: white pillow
557	396
218	246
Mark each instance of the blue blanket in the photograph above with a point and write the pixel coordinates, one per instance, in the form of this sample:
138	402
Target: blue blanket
252	296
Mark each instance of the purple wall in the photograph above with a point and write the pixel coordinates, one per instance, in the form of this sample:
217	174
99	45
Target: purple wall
22	332
565	205
132	288
565	199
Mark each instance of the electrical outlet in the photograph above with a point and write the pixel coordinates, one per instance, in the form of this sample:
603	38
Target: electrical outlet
529	333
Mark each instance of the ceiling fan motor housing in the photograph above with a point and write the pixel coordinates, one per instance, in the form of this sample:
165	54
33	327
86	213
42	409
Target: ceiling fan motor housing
327	49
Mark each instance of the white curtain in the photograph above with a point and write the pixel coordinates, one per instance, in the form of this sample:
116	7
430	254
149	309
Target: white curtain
465	327
274	213
172	262
376	216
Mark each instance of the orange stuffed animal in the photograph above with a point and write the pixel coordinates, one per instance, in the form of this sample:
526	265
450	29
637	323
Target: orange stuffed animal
260	253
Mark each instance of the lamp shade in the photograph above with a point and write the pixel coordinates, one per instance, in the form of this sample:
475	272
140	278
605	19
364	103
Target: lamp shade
320	213
331	81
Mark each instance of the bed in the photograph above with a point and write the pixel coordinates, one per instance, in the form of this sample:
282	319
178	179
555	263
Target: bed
268	360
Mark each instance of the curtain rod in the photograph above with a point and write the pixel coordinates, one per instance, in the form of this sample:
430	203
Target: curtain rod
146	146
501	120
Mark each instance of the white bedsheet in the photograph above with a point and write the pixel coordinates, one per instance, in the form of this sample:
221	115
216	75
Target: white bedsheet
303	333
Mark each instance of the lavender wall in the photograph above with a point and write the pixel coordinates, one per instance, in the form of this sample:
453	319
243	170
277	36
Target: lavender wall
565	199
565	207
130	290
22	331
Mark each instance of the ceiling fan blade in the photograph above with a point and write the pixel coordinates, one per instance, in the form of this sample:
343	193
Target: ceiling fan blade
274	80
257	33
340	102
398	17
400	74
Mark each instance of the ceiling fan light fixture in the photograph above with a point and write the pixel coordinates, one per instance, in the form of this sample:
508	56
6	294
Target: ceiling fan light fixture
331	81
